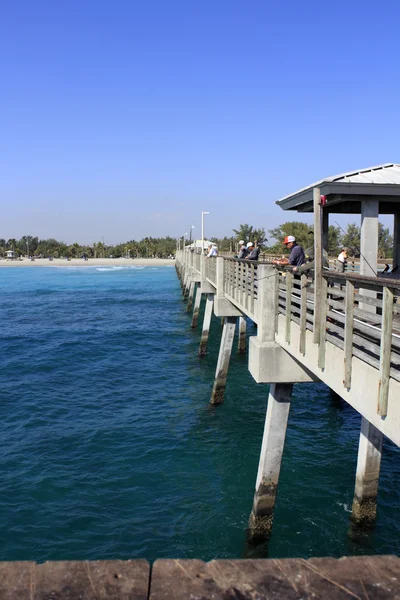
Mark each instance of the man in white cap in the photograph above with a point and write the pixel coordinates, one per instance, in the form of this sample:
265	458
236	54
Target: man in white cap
243	249
212	250
296	256
253	252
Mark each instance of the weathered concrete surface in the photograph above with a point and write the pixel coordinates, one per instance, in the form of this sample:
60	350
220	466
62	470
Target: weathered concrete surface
206	324
192	290
196	308
270	363
360	578
269	467
242	336
221	373
73	580
367	475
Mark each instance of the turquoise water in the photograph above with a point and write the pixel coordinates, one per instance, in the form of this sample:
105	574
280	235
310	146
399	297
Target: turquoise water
110	449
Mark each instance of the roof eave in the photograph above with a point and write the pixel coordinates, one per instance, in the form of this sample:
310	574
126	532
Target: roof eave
362	189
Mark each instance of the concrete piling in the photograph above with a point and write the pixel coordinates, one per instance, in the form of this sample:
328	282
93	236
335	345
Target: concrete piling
206	324
196	308
242	336
261	517
367	475
217	396
192	290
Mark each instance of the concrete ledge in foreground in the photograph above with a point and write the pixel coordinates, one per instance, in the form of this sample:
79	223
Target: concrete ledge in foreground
366	577
73	580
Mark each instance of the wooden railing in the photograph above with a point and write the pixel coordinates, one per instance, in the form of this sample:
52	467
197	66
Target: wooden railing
240	284
359	315
210	270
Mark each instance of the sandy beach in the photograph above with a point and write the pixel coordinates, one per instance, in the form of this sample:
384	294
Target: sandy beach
91	262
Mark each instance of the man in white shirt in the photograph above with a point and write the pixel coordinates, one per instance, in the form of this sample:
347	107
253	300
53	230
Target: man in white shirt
341	261
212	251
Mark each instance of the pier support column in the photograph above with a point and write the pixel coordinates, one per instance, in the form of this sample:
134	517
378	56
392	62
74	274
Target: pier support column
242	336
396	240
185	282
369	246
261	518
186	286
206	324
192	289
225	349
367	476
196	308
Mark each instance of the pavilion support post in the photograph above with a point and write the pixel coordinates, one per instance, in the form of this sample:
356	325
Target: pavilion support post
367	476
369	246
242	336
318	299
396	240
325	230
261	517
192	289
206	324
225	350
196	309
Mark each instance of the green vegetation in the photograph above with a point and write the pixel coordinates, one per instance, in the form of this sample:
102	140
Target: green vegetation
150	247
33	246
304	234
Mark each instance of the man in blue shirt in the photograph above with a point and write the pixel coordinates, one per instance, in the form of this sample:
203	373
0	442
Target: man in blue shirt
296	256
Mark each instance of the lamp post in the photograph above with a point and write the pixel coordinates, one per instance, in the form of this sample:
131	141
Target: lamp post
190	234
203	212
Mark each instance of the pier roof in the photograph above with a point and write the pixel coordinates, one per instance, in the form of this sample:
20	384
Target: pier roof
344	193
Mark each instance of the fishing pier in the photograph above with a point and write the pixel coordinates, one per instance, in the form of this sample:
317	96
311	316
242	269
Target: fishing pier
340	329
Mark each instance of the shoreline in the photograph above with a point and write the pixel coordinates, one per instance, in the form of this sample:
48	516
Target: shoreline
91	262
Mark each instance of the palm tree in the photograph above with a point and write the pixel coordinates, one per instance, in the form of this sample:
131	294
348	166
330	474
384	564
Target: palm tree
244	232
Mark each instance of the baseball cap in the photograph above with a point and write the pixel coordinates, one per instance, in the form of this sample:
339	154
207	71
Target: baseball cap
249	244
289	238
241	242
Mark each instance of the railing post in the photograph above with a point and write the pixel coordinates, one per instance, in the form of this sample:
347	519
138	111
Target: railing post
289	285
318	262
303	314
267	280
220	275
386	350
348	333
322	327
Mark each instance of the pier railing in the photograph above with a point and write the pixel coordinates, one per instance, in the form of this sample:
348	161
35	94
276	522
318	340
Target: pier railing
358	315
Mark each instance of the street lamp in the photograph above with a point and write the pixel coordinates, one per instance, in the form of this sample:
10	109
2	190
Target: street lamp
190	235
203	212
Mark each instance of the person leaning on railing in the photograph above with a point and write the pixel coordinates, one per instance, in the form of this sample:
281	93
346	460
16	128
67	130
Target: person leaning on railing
253	252
309	264
296	257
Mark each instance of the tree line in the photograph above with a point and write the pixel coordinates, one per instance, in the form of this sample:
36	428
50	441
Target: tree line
150	247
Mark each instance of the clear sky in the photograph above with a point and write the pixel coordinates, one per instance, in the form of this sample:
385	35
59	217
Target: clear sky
126	119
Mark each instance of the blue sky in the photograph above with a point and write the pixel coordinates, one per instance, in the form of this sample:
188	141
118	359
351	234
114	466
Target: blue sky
127	119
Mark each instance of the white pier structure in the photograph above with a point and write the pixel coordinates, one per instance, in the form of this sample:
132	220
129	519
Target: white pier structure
340	329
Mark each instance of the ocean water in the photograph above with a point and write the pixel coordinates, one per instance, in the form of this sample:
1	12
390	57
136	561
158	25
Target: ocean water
109	447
